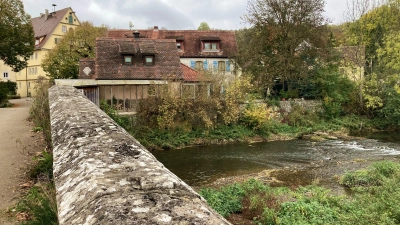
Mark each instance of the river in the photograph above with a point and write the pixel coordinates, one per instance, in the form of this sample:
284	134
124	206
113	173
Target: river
199	166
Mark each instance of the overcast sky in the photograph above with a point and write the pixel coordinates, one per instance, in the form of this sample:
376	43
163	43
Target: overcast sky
170	14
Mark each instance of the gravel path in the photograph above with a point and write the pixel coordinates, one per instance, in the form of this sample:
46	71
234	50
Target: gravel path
17	143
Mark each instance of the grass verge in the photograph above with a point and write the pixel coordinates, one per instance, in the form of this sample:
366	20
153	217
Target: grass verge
376	193
38	206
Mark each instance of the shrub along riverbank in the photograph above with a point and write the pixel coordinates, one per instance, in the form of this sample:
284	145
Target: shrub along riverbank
298	124
374	200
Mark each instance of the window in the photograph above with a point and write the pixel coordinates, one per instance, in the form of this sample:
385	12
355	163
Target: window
128	60
221	65
70	19
29	84
149	60
56	40
199	65
179	45
210	46
64	29
31	57
35	70
202	91
5	74
188	91
36	55
37	41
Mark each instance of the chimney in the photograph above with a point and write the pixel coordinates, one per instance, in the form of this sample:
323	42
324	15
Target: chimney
46	14
54	8
136	34
155	33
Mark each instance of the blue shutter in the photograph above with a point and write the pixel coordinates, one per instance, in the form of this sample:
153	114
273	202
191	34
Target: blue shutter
228	66
192	64
205	65
215	65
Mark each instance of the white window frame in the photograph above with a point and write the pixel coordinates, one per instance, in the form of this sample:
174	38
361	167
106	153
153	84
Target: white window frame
5	74
64	29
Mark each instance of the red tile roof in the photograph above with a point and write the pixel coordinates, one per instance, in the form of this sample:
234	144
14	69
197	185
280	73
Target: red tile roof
109	59
191	40
191	75
44	28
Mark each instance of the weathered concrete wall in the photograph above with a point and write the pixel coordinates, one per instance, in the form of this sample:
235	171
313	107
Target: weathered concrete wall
104	176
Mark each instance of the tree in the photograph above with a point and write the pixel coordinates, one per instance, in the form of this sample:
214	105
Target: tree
375	25
7	88
63	61
204	26
286	38
16	36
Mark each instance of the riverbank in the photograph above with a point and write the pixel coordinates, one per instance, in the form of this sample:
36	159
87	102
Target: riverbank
178	138
324	173
375	188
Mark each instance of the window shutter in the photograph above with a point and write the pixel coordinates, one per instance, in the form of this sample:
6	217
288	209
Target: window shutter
215	65
70	19
205	65
192	63
228	66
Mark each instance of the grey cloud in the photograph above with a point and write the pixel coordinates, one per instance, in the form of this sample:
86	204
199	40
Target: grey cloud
171	14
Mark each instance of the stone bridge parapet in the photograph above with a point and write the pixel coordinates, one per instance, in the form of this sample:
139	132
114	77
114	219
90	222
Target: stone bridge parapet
104	176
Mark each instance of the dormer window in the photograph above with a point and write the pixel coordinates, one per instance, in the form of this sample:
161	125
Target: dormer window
210	44
37	41
128	60
179	45
149	60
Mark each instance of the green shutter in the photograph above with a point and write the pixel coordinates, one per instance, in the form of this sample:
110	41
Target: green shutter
70	19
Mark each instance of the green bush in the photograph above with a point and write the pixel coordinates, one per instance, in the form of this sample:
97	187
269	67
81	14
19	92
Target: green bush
255	115
225	201
43	166
391	110
39	112
374	176
299	116
6	89
39	203
376	204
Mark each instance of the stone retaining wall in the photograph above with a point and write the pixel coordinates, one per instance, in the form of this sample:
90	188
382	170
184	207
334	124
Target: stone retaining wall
314	105
104	176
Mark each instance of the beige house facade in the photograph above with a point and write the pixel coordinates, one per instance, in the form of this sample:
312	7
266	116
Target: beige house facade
49	29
